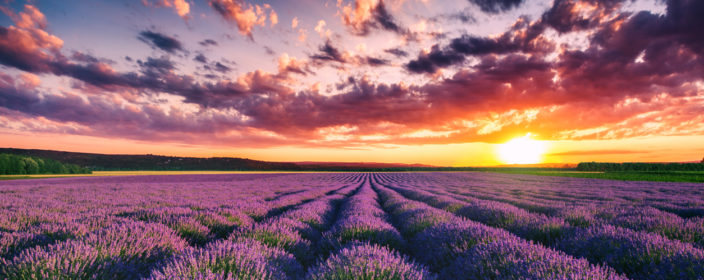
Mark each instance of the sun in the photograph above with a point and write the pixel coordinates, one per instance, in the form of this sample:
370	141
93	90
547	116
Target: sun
521	150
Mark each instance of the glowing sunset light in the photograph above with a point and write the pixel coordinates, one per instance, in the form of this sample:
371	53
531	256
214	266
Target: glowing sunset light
522	150
431	82
352	139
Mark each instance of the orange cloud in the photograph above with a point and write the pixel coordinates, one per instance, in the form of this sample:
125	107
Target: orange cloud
27	44
357	16
181	7
294	23
245	15
630	80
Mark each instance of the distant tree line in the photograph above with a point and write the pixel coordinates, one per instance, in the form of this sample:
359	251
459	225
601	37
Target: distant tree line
639	166
18	165
104	162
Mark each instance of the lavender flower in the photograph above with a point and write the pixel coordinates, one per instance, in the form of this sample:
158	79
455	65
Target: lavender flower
279	234
516	259
640	255
272	226
242	260
367	262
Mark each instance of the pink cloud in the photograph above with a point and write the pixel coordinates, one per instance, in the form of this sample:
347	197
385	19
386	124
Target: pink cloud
181	7
245	15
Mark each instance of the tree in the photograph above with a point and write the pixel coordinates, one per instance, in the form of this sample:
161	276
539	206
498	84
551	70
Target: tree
5	164
30	166
17	164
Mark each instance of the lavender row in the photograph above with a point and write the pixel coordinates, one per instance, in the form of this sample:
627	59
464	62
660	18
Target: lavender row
201	226
361	219
37	201
298	229
124	250
636	217
228	259
639	218
640	255
683	199
45	229
276	248
333	226
369	262
363	245
463	249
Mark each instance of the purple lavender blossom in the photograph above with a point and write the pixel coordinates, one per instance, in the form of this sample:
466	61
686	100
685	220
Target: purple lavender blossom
516	259
243	259
370	262
439	245
640	255
472	225
279	233
122	251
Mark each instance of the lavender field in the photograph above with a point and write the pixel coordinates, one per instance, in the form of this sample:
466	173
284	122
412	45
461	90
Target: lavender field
350	226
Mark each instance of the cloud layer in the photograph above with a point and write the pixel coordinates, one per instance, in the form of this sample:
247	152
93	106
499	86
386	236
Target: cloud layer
636	74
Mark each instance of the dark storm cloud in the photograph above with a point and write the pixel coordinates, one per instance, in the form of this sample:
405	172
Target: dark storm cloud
269	51
564	17
200	58
433	60
160	41
496	6
670	45
465	16
101	115
385	20
509	72
328	52
222	68
523	36
396	52
373	61
94	73
208	42
380	19
82	57
157	64
14	97
472	45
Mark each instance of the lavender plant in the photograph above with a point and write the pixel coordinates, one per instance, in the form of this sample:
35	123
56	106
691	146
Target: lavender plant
371	262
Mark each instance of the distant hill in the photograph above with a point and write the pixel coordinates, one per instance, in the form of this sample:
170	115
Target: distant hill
100	162
309	164
151	162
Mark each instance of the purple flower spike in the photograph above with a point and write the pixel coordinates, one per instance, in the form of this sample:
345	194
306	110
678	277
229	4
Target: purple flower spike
370	262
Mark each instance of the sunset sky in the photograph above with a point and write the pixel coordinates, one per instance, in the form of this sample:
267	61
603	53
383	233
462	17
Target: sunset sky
411	81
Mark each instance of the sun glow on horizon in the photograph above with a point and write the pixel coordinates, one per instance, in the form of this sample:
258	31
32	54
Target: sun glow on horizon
522	150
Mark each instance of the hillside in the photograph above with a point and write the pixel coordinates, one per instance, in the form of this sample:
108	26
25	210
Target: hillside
151	162
101	162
